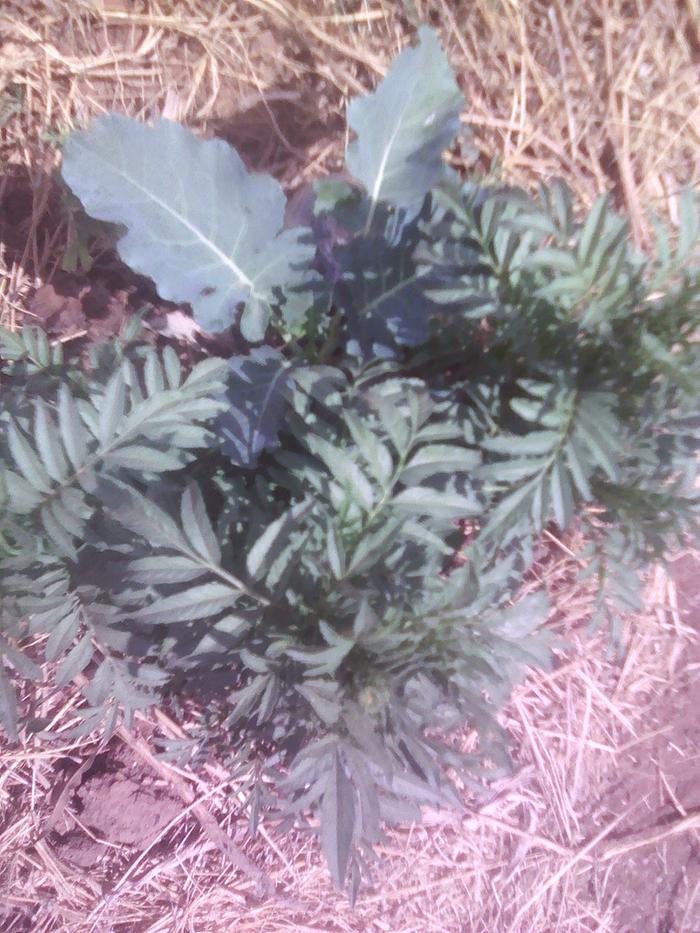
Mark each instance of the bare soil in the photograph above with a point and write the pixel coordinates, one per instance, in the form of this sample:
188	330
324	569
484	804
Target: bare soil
656	887
118	807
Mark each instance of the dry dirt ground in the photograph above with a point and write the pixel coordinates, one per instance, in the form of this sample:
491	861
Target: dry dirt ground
599	826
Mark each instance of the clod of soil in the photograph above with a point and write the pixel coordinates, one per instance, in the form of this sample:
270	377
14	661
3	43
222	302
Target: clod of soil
120	806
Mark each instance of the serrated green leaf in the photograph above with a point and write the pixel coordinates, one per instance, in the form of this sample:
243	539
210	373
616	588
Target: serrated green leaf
373	546
321	661
48	442
196	602
61	538
321	696
688	222
521	619
146	459
69	520
592	229
246	699
168	568
20	662
561	496
62	635
27	461
71	428
196	525
527	409
337	821
8	706
510	471
257	396
377	456
75	661
172	367
562	206
22	498
335	551
439	458
602	450
269	544
530	444
143	517
153	374
550	257
579	472
111	408
421	500
343	470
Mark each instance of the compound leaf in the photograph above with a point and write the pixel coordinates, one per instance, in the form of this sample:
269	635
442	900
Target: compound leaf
258	401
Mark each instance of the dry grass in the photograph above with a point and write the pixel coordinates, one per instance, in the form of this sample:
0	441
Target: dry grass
601	92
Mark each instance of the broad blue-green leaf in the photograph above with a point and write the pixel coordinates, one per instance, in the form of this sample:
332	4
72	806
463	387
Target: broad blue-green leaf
382	292
257	403
403	127
198	223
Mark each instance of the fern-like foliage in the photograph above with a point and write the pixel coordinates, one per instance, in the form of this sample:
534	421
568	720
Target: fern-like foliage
329	531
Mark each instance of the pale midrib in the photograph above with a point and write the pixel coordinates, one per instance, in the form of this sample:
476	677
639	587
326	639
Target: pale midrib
226	260
381	171
394	290
284	370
